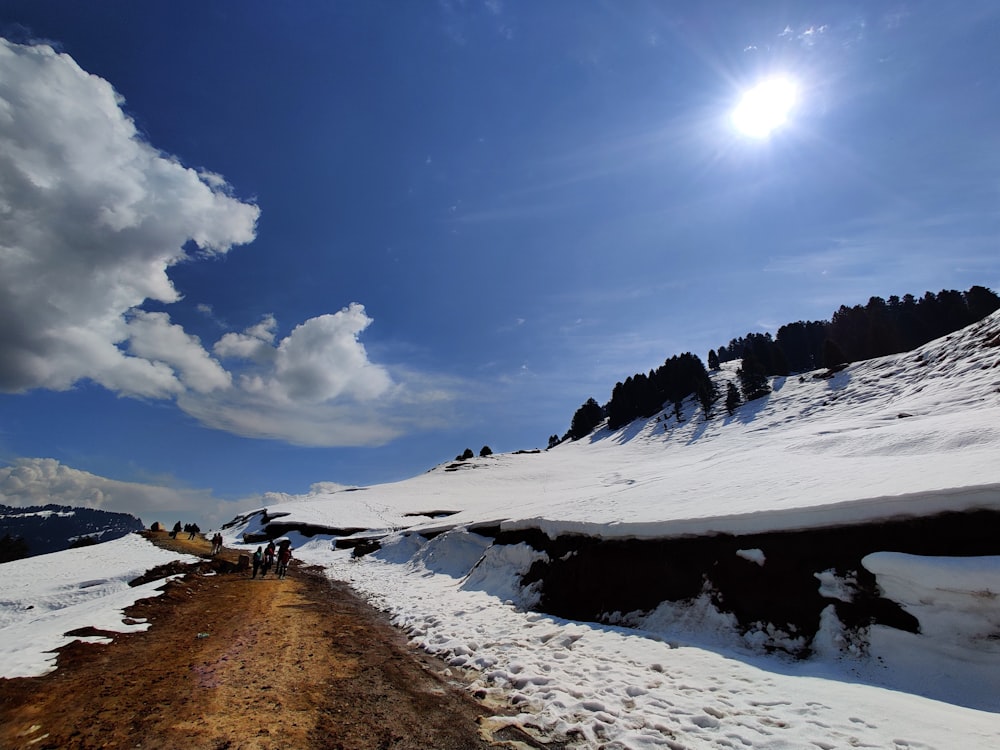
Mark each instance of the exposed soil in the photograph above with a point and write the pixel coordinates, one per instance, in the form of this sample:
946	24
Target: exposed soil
232	662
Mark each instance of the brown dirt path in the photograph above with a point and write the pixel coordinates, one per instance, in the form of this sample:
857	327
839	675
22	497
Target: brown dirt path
230	662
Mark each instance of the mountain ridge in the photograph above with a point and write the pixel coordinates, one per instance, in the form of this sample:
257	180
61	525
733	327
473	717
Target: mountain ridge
52	528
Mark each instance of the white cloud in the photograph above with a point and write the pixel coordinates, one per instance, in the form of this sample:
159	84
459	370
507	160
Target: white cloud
322	359
40	481
153	337
253	344
91	218
263	405
253	411
316	386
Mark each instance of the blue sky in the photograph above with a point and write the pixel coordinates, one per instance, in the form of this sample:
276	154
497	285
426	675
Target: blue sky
249	247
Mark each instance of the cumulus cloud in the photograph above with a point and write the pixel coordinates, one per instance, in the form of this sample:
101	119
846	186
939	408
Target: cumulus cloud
40	481
315	386
253	344
152	336
322	359
91	218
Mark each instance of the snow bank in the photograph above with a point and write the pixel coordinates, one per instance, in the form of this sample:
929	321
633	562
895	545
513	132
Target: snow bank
956	654
682	678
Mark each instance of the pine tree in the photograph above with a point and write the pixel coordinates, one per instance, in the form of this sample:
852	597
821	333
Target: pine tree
981	302
707	395
732	398
586	418
753	379
833	355
12	548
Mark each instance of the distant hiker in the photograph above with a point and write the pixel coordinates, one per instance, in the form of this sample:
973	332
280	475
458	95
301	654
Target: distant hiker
268	558
193	530
258	558
216	544
284	555
176	531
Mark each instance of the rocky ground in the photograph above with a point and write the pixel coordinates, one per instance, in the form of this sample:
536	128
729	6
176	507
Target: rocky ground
249	664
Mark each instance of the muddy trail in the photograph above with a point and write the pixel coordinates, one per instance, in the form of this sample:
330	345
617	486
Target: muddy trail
232	662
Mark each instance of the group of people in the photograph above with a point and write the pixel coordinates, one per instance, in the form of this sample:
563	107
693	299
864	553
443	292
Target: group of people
264	558
275	556
191	528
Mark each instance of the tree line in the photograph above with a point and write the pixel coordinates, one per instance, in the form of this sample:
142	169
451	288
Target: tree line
861	332
877	329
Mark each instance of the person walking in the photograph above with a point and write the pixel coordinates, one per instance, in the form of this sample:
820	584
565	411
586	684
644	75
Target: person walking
284	555
258	558
268	558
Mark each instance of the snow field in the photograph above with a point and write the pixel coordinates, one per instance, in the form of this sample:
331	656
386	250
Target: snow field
44	597
624	688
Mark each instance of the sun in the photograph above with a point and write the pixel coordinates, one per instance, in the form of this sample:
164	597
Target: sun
765	107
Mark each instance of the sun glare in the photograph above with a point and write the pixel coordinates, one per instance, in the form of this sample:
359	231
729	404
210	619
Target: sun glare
765	107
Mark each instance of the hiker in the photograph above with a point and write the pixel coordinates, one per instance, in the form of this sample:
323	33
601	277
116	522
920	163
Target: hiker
216	544
194	530
176	531
284	555
258	558
268	558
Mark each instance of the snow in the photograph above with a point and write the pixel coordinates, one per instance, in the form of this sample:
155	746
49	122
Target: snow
753	555
672	683
42	514
46	596
956	603
909	435
902	436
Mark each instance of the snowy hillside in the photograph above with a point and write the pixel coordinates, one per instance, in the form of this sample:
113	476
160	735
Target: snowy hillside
43	598
851	521
912	433
821	569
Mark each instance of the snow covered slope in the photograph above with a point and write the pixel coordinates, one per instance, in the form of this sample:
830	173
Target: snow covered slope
914	433
645	587
43	598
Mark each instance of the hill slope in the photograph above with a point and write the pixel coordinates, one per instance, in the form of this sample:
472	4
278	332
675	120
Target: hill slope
846	519
914	433
50	528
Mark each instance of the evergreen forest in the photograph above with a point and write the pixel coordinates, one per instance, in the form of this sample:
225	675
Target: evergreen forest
852	334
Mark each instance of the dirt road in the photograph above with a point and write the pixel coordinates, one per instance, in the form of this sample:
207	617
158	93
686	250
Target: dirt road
234	662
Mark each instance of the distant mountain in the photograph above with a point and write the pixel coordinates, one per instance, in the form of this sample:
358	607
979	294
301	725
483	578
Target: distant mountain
51	528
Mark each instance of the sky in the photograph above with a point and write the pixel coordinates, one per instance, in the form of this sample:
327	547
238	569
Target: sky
254	247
